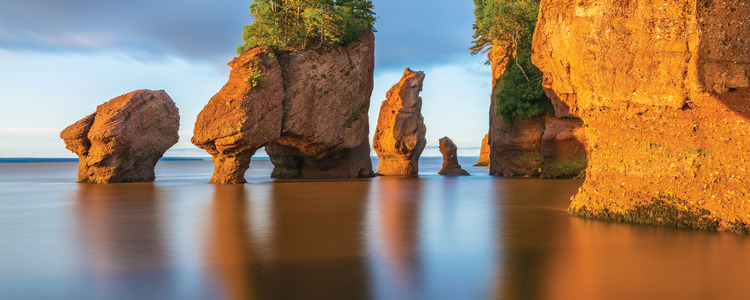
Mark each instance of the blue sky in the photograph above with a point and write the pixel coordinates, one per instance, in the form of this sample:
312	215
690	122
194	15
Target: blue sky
59	59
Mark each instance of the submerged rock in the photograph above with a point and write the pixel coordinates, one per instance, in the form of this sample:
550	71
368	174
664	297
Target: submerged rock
126	136
450	159
664	90
400	135
309	109
484	152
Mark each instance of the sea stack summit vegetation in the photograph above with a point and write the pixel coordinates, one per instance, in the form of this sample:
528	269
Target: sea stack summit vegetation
297	25
511	23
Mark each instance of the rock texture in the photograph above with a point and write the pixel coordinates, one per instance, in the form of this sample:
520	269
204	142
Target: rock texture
484	152
515	149
126	136
400	134
564	150
663	89
309	109
450	159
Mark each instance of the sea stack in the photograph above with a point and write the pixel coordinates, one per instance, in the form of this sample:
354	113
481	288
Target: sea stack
308	109
450	159
484	152
400	135
663	89
126	136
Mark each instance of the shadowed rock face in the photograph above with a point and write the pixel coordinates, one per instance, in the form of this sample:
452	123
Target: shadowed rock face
663	89
309	110
400	135
515	148
484	152
450	159
126	136
564	150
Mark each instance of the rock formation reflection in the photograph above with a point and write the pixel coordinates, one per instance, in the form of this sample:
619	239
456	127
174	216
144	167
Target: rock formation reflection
122	240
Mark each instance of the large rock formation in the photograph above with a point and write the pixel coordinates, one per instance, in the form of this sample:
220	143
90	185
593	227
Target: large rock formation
664	90
484	152
400	134
124	138
309	109
450	159
515	148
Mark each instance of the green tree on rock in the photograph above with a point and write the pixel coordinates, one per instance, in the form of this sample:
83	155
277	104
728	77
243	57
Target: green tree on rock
518	92
295	25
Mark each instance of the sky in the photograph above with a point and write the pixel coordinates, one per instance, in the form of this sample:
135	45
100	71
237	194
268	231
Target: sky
59	59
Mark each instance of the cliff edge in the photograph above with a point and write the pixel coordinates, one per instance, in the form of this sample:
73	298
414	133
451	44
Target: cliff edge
663	90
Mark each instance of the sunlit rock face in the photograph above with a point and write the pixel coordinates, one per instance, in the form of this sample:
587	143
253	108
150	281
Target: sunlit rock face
450	159
126	136
663	89
400	135
484	152
309	109
530	147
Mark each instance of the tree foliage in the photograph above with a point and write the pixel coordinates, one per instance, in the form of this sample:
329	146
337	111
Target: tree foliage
511	23
294	25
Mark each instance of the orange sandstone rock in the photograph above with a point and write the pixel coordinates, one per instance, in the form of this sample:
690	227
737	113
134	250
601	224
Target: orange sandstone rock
126	136
484	152
309	109
400	135
450	159
664	90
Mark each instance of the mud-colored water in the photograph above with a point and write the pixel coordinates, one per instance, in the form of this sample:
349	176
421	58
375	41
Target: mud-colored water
432	237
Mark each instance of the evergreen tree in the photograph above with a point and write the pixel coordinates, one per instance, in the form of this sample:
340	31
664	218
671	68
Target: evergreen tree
295	25
518	92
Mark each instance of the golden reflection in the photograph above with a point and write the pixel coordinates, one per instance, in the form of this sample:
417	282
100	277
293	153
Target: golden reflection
227	245
120	227
398	208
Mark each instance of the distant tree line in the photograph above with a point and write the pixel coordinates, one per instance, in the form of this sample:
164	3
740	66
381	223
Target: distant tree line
295	25
511	23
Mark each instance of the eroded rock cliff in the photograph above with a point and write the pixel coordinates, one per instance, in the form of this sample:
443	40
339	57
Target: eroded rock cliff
124	139
309	109
484	152
400	135
525	147
450	159
663	88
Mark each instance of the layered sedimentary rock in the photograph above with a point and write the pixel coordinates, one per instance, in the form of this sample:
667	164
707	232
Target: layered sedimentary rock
664	90
309	109
126	136
400	135
484	152
515	148
450	159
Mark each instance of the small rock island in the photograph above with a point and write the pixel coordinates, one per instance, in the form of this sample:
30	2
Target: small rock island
400	135
124	139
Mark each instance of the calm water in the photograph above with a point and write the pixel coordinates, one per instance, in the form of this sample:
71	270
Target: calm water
477	237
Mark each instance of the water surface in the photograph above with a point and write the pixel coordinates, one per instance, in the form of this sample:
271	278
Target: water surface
432	237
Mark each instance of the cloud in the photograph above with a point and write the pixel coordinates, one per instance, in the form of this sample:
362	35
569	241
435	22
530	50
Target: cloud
28	130
416	33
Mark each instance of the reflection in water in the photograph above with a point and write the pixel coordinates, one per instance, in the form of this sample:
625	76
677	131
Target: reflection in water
122	239
392	214
477	237
228	252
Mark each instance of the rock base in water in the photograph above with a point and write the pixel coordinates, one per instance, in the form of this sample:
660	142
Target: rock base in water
400	135
124	139
450	159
